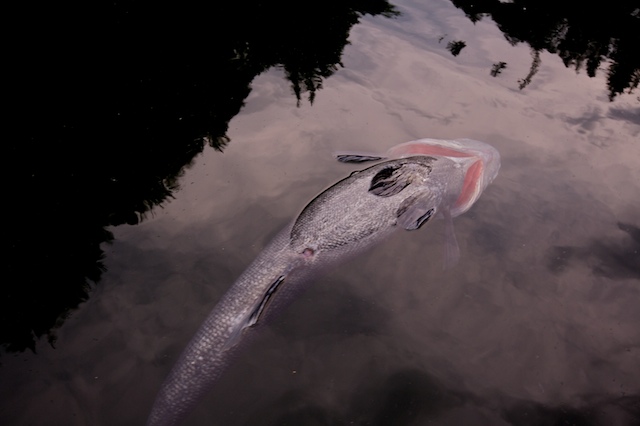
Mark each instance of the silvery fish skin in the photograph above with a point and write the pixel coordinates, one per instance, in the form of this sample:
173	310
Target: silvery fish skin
485	163
343	220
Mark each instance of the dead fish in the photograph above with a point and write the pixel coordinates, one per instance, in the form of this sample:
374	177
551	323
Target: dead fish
418	181
483	164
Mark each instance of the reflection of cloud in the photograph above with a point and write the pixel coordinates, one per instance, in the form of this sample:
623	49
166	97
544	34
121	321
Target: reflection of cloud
587	120
405	397
611	259
413	397
631	115
491	238
351	316
597	123
623	409
295	408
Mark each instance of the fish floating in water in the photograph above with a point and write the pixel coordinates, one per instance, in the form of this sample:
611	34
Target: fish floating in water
415	182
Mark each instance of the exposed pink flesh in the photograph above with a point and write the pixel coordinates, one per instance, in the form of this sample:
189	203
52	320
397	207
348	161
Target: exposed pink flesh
471	179
470	184
420	148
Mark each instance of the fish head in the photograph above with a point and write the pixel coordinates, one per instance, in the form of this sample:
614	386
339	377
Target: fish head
479	161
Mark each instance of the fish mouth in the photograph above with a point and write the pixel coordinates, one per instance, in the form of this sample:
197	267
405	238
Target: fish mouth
454	149
489	155
480	162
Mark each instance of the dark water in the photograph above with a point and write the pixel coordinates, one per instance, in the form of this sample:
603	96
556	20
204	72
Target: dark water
537	325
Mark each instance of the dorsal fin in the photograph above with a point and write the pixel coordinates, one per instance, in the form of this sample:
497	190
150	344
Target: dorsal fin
357	158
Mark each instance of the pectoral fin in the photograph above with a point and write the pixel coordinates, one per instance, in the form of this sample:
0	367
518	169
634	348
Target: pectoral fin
252	318
415	211
259	308
451	249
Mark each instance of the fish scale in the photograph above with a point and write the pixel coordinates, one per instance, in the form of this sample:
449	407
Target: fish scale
348	217
340	216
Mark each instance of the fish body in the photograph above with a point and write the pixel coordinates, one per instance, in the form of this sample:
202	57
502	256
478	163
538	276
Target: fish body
357	212
483	163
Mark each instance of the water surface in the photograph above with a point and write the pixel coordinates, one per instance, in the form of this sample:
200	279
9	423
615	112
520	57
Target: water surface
538	323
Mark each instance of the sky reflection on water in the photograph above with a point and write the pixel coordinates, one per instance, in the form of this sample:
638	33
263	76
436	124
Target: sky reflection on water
538	322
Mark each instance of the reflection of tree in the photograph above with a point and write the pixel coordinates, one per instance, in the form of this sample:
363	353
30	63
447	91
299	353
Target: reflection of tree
456	46
616	260
535	65
111	104
497	68
588	36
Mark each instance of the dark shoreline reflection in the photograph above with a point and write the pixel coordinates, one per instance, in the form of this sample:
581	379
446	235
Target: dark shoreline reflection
111	104
590	37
